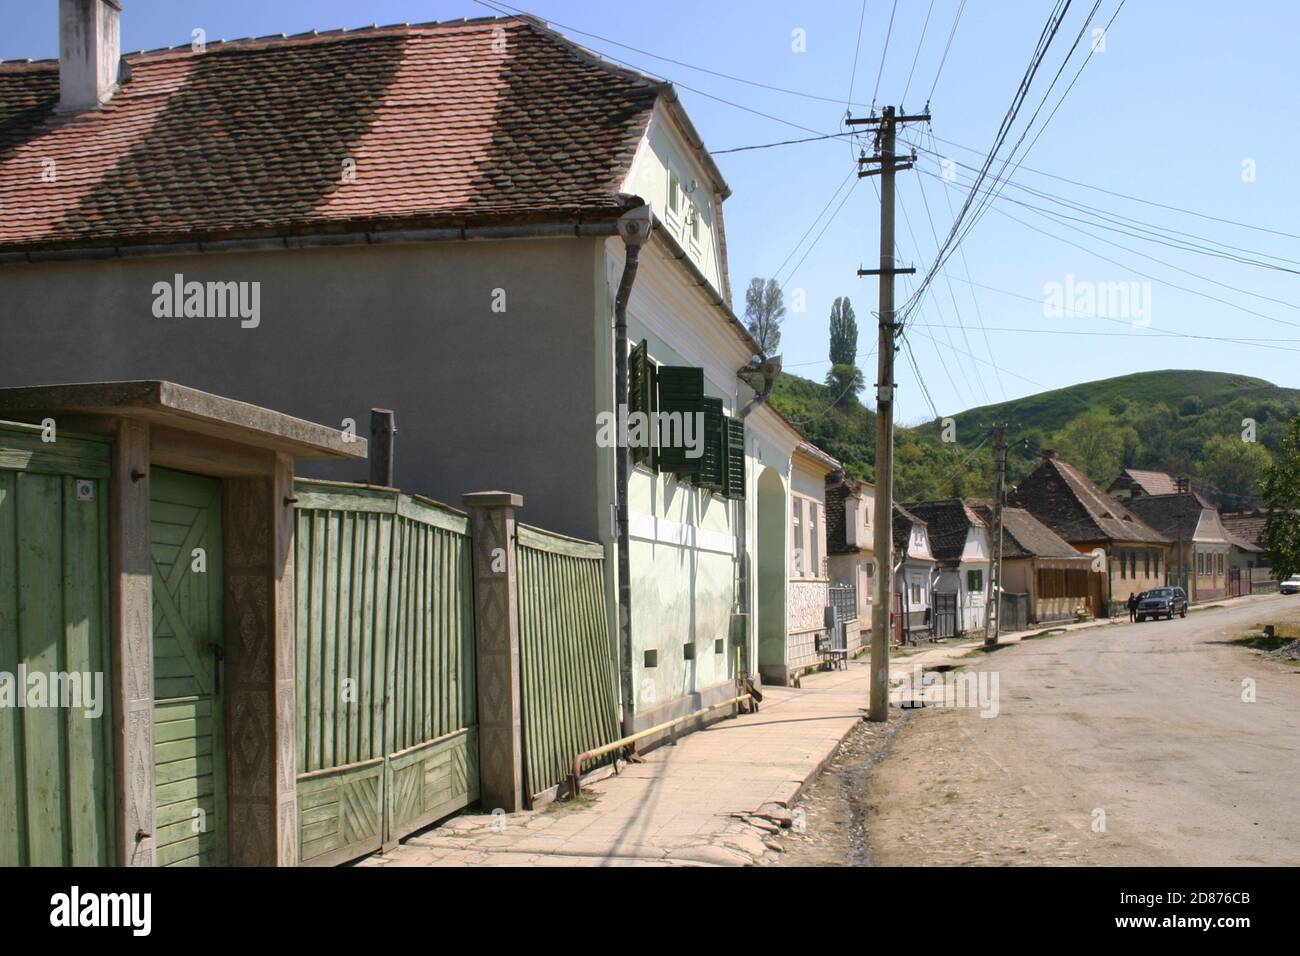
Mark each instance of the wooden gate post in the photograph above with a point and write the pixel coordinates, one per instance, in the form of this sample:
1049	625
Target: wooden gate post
496	649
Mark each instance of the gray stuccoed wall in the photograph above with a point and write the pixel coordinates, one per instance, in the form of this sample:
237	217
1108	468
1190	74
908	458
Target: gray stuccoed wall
483	399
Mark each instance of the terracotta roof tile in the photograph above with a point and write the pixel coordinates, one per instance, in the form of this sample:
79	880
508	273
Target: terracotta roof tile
497	119
1064	499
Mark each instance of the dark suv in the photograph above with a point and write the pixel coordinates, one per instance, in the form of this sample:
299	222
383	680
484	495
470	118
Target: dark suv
1162	602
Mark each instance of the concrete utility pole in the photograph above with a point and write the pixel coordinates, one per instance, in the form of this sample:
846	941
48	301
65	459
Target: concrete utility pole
886	135
994	610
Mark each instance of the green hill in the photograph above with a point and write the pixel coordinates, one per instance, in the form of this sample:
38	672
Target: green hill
1050	411
1185	422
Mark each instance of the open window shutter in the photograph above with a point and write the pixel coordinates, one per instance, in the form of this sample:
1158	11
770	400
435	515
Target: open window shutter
734	478
640	395
713	462
681	394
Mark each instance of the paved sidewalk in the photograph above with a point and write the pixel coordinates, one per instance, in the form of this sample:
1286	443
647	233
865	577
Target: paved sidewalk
716	798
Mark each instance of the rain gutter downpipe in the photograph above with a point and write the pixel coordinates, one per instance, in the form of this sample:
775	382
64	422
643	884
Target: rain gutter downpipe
769	369
634	226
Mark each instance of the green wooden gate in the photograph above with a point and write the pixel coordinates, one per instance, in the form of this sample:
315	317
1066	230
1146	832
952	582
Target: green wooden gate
56	763
569	697
387	741
190	823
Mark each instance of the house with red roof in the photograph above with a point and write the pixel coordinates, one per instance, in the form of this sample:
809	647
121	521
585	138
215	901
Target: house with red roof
1129	554
435	219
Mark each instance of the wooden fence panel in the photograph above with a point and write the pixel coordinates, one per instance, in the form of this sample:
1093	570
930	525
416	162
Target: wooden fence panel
570	701
386	708
56	755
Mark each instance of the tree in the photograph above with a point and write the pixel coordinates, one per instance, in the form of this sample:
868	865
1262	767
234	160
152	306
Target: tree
1282	495
844	333
764	311
844	378
1094	443
1233	467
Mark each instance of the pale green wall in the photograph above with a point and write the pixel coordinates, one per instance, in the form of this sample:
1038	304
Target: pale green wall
649	180
681	594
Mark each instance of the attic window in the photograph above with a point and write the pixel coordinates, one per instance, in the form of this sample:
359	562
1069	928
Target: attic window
674	194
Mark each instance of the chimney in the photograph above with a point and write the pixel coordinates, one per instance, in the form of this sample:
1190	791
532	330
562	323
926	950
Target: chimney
1049	454
90	48
1183	484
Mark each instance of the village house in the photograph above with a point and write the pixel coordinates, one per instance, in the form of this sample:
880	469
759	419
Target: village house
1129	554
1200	545
1136	482
1043	578
809	581
915	572
960	542
850	547
1246	532
448	234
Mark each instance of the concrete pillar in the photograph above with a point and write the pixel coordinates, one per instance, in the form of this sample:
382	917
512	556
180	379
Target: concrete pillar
496	650
260	663
131	562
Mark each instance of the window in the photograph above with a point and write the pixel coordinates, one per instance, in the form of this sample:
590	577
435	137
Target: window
674	194
796	538
814	549
1123	567
1219	564
1133	564
695	225
1146	563
1200	564
975	579
1157	563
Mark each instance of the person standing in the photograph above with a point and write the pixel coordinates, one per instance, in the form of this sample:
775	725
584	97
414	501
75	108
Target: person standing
1132	607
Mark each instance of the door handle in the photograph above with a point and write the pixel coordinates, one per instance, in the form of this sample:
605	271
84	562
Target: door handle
218	655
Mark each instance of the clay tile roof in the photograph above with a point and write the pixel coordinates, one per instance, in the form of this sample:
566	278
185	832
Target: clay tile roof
1249	526
476	121
1064	499
949	522
1024	536
1152	482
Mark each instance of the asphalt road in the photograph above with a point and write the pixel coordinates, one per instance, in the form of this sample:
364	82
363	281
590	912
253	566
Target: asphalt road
1142	727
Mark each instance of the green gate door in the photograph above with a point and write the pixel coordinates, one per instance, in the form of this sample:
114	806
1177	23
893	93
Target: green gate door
189	714
56	747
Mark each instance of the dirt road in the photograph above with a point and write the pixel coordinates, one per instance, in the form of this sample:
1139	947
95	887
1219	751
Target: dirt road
1120	745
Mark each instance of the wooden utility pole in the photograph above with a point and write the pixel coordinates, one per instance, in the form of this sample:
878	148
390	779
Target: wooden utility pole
886	136
994	610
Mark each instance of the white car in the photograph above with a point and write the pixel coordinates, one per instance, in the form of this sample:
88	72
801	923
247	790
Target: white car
1291	585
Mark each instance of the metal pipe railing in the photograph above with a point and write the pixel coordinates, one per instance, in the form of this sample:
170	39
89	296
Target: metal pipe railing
575	770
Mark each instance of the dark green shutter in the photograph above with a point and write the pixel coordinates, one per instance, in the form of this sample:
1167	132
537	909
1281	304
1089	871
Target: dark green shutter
640	393
734	478
681	393
713	461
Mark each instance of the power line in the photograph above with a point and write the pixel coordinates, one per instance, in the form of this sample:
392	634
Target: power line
1165	235
948	46
1049	32
497	6
919	43
883	53
857	49
1148	329
1119	195
827	225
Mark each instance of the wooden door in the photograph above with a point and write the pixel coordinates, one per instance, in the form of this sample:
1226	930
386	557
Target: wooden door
56	747
190	822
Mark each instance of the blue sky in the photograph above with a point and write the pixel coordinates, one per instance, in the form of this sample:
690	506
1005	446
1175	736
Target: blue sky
1183	95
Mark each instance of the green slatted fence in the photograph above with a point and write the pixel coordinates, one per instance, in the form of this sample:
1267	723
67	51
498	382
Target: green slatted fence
569	695
385	641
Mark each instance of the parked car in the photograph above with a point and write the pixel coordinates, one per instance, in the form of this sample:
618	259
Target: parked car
1162	602
1291	585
